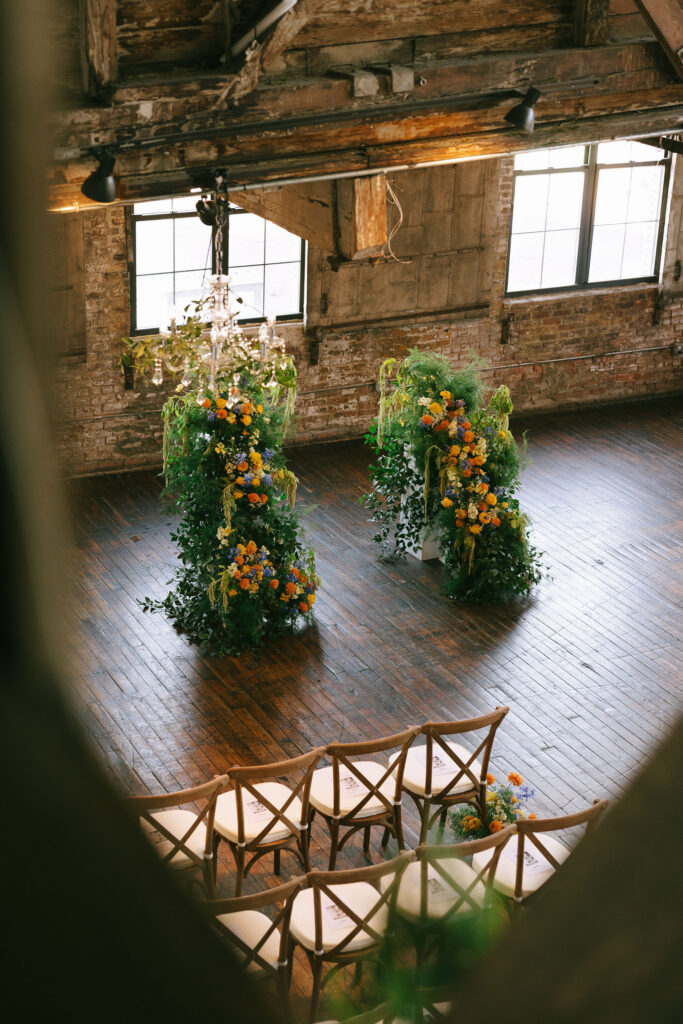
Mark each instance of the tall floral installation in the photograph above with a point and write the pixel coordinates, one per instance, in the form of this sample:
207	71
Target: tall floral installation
245	576
448	467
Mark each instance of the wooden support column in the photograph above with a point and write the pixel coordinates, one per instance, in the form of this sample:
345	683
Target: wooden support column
99	58
591	22
362	216
665	19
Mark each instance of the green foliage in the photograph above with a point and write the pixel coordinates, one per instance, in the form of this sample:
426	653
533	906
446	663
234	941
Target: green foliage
244	575
446	460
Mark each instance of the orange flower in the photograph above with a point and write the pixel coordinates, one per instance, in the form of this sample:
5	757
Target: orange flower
427	419
466	425
469	436
243	466
244	584
253	498
259	408
289	588
496	521
515	778
245	419
275	584
454	449
492	499
303	606
478	460
475	528
467	472
490	779
251	548
446	502
495	825
264	499
221	403
240	559
441	426
206	404
222	414
481	506
485	518
247	407
533	817
311	599
237	494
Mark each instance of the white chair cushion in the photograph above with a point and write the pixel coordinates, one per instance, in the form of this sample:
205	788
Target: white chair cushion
359	896
177	822
257	815
250	926
440	897
537	868
351	789
443	770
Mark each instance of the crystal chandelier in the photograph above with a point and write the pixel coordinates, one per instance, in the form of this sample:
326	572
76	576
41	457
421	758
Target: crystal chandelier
220	347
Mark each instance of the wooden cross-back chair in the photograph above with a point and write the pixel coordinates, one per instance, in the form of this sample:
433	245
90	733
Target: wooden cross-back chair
527	866
355	795
262	814
342	918
261	943
441	885
441	772
184	838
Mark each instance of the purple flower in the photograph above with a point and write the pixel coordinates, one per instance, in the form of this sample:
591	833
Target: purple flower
268	453
211	415
248	477
267	479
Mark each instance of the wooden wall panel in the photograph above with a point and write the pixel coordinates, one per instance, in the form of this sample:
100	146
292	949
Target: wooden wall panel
67	291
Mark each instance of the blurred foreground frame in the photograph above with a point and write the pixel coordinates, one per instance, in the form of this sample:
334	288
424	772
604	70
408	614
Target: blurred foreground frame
94	927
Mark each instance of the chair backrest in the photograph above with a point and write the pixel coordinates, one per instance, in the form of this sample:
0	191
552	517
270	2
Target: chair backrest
326	900
530	828
282	898
343	767
297	773
431	860
204	796
464	769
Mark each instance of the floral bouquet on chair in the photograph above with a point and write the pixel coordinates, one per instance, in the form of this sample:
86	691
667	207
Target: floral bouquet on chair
505	803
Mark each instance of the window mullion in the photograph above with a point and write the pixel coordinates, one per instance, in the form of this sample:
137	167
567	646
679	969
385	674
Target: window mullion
587	214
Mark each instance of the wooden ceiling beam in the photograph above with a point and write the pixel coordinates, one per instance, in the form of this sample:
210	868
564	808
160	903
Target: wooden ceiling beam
176	170
144	112
99	52
591	22
665	19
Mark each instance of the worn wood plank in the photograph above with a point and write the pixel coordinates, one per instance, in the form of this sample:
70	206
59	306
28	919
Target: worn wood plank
99	51
665	19
591	22
307	210
362	216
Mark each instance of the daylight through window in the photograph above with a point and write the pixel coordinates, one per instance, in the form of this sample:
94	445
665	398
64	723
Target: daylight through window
587	215
173	255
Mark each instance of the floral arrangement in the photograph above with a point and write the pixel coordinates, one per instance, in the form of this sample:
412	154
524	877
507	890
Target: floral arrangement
505	803
244	576
448	461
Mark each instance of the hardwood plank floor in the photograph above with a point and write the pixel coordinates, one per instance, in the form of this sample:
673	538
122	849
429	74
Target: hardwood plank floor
589	665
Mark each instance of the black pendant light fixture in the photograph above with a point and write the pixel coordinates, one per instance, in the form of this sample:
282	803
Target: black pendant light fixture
522	116
100	186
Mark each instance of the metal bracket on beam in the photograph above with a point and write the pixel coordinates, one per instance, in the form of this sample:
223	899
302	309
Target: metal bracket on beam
364	83
402	79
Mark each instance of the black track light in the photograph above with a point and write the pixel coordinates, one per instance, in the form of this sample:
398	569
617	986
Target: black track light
522	116
206	208
100	186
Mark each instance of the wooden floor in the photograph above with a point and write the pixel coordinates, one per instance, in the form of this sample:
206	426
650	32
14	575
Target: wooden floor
589	666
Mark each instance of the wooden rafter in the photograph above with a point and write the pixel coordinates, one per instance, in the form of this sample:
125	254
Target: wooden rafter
99	56
665	18
591	22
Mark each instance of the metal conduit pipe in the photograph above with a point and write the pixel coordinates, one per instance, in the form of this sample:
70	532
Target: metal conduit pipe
261	26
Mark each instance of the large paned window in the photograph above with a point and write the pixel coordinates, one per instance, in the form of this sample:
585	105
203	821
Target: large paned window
173	259
587	215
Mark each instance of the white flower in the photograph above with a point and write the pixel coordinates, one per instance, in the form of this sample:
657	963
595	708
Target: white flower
424	401
472	511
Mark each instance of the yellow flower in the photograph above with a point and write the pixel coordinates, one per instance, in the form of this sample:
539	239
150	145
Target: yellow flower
503	504
475	528
221	403
246	420
251	548
502	434
445	394
311	599
259	408
435	409
237	494
256	457
240	481
231	418
491	499
446	502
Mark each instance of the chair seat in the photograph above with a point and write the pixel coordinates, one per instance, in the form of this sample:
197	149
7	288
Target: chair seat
443	770
257	815
351	789
359	896
177	822
537	868
440	897
250	926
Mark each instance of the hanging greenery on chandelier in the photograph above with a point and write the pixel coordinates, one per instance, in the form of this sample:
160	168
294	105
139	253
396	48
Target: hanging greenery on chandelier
245	575
448	468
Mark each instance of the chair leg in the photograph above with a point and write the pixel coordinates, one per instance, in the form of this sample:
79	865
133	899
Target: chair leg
334	843
442	819
239	867
276	861
317	971
366	840
424	813
398	828
358	973
385	836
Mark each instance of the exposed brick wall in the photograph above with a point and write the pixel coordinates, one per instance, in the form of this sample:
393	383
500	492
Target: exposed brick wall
553	351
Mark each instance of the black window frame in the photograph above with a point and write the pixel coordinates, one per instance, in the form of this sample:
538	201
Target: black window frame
591	169
135	218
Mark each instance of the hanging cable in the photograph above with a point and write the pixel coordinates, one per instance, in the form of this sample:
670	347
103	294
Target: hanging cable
393	198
